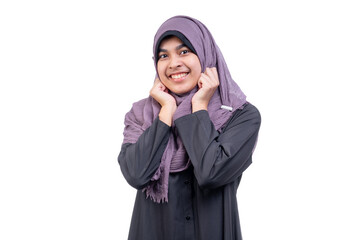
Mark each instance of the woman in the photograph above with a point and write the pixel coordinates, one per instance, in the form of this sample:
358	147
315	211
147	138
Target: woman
186	145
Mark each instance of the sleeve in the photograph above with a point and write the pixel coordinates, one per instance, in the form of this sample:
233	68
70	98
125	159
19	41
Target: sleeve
139	161
219	158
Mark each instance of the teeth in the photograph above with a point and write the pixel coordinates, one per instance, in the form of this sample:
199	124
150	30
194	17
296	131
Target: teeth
176	76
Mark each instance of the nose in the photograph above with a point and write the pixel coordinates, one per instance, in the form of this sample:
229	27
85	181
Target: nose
175	62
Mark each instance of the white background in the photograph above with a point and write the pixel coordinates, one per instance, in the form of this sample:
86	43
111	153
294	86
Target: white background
70	70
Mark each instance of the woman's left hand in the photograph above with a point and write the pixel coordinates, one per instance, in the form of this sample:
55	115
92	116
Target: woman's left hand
208	83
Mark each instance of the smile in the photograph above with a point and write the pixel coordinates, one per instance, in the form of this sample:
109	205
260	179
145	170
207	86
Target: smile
178	77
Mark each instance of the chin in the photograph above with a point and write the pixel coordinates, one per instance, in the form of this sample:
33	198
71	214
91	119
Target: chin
181	91
180	88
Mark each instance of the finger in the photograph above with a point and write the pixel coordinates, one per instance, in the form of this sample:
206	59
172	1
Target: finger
212	73
205	77
215	73
212	77
208	72
160	84
201	80
206	81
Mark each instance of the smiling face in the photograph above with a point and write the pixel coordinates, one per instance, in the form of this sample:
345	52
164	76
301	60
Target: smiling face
179	69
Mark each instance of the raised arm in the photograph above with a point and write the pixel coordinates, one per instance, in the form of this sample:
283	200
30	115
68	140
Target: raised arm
219	159
139	161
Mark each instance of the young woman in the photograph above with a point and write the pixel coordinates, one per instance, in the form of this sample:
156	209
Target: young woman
186	145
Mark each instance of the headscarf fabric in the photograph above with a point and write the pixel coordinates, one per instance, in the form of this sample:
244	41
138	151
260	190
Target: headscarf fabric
144	112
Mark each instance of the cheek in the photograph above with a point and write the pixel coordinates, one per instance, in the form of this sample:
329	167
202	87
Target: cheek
196	67
160	70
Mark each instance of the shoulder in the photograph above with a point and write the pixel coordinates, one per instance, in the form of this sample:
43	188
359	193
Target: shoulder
139	104
248	114
143	112
136	112
249	110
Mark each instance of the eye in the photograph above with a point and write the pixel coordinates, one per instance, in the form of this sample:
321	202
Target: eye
184	51
162	56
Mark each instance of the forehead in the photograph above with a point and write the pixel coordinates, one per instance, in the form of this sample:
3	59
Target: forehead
170	42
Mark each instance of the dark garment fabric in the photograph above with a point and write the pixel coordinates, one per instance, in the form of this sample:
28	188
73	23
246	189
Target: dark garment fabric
202	199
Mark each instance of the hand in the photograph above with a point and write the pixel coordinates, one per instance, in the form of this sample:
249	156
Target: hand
168	104
208	83
161	94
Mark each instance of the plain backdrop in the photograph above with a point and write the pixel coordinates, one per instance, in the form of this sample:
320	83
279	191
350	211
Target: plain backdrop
70	70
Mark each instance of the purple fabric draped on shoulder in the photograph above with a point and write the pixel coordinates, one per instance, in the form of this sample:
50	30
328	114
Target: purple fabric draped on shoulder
144	112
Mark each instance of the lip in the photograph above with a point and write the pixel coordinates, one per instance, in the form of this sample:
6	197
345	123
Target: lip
178	79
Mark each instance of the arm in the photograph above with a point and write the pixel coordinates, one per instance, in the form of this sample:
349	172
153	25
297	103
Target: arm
168	105
219	159
139	161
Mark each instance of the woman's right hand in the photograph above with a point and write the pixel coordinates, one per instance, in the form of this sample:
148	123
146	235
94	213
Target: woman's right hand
168	104
161	94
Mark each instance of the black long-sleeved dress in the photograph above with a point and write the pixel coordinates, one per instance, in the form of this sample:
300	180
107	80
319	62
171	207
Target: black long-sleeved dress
202	201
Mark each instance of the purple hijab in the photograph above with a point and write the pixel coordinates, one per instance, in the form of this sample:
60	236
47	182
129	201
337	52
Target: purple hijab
144	112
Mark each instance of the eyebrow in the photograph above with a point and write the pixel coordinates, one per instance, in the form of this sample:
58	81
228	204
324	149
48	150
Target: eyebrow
177	48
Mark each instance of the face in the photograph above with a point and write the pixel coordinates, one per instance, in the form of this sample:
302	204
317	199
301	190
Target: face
179	69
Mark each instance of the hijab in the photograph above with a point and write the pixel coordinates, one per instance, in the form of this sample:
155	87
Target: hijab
227	98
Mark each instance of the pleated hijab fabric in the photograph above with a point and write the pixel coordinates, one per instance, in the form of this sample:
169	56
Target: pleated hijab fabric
145	111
